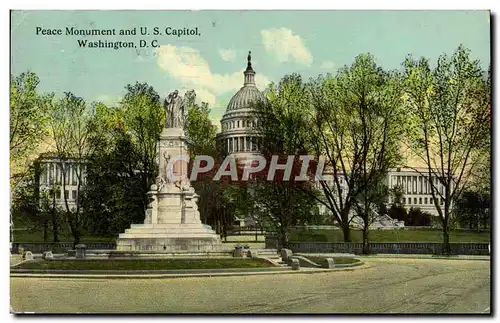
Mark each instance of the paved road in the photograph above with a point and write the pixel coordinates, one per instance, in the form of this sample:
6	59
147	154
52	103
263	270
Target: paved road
388	286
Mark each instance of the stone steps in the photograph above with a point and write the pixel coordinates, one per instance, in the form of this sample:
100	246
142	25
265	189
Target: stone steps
169	225
181	231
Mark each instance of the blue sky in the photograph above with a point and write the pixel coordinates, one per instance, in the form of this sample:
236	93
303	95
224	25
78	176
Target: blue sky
307	42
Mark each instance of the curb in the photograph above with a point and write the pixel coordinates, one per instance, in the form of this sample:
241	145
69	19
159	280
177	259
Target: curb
284	271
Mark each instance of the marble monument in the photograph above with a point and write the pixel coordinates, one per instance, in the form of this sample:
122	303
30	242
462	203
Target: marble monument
172	222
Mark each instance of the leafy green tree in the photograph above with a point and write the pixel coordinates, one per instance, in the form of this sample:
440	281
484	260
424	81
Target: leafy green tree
114	195
397	210
450	110
284	131
418	218
201	133
123	163
28	121
472	209
144	119
70	126
357	121
365	206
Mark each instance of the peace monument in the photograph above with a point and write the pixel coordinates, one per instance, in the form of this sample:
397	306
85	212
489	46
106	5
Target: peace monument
172	222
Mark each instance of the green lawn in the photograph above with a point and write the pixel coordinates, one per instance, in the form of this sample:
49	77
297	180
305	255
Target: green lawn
421	235
149	264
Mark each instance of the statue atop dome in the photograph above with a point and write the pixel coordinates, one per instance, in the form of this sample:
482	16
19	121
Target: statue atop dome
175	110
249	60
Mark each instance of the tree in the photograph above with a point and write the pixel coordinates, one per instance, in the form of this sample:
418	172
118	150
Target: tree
397	210
115	194
201	133
365	205
28	121
472	209
357	123
123	163
284	131
144	119
418	218
449	110
70	130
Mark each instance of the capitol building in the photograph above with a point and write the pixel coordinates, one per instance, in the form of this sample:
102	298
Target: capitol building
238	136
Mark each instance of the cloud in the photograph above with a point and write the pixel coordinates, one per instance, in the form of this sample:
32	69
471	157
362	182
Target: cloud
228	55
327	64
203	95
191	70
286	46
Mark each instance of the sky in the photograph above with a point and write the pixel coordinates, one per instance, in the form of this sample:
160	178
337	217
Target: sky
212	62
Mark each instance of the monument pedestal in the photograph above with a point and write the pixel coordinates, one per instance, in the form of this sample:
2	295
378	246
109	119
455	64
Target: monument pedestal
172	222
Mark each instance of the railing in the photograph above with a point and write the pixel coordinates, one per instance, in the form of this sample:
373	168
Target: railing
381	247
40	247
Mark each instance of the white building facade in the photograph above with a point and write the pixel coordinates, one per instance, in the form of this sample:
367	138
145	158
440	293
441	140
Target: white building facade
50	177
415	185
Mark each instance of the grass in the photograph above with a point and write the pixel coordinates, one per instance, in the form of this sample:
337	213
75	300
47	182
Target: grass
149	264
420	235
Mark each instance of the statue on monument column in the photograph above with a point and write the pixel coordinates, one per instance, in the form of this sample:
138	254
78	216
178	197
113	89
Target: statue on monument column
175	110
169	173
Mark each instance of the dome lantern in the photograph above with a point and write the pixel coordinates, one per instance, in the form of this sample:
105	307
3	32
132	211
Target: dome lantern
249	72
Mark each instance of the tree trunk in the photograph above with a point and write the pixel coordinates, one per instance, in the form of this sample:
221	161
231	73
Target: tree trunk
366	244
76	236
283	238
45	230
446	241
55	226
346	231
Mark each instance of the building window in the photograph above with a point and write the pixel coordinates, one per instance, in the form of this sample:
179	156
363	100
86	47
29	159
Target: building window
414	200
404	200
66	194
238	125
73	194
442	201
425	200
242	144
419	200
